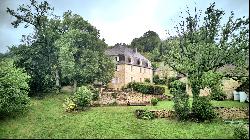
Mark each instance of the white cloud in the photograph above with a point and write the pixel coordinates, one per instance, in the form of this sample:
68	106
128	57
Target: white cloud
130	26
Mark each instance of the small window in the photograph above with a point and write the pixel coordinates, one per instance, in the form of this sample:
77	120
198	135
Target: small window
140	70
117	58
132	79
144	70
130	60
116	68
131	68
140	80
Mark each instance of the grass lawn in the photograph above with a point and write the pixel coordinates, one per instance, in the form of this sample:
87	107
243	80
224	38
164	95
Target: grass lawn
47	119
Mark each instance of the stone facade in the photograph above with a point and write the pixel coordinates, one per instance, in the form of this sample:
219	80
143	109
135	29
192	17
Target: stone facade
127	73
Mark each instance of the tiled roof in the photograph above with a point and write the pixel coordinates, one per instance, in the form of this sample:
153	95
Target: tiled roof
122	50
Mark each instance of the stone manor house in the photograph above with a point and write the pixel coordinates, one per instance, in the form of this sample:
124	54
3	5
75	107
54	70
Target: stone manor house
130	66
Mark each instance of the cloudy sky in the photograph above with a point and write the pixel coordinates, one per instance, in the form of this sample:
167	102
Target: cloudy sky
119	21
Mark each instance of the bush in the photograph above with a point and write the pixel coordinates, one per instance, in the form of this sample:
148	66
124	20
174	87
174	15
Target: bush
82	97
202	109
13	88
154	101
147	80
217	94
94	91
144	114
240	132
69	105
181	103
170	80
159	81
146	88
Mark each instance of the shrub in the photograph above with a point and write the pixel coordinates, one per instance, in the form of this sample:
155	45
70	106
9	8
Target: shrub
217	94
13	88
240	132
170	80
181	103
146	88
159	81
79	100
94	91
154	101
144	114
147	80
69	105
202	109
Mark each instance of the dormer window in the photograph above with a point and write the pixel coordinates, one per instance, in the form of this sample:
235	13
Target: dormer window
139	62
130	60
117	58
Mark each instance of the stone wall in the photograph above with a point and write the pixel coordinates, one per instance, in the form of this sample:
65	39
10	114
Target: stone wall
222	112
232	113
123	98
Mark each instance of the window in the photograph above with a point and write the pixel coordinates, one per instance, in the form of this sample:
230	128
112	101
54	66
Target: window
116	68
132	79
140	80
131	68
144	70
117	58
140	70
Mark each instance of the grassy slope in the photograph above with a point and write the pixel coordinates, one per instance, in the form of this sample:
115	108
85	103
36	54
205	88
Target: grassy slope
47	119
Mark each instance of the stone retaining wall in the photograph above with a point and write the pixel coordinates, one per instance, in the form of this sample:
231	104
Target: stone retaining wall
222	112
232	113
122	98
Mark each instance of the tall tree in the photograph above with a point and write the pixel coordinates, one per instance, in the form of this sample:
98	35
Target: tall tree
82	59
146	43
207	46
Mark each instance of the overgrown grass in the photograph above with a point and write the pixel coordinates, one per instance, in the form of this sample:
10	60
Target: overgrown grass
47	119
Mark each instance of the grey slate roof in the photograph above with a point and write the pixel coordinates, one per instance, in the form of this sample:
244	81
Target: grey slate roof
124	53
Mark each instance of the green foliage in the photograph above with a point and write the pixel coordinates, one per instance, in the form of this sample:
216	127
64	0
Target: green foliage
14	88
240	132
170	80
244	85
206	45
147	80
82	97
146	88
181	103
80	61
154	101
218	94
94	91
144	114
202	109
146	43
159	81
69	105
213	80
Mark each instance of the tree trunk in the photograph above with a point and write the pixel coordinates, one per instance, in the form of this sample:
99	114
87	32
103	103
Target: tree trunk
74	86
58	87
